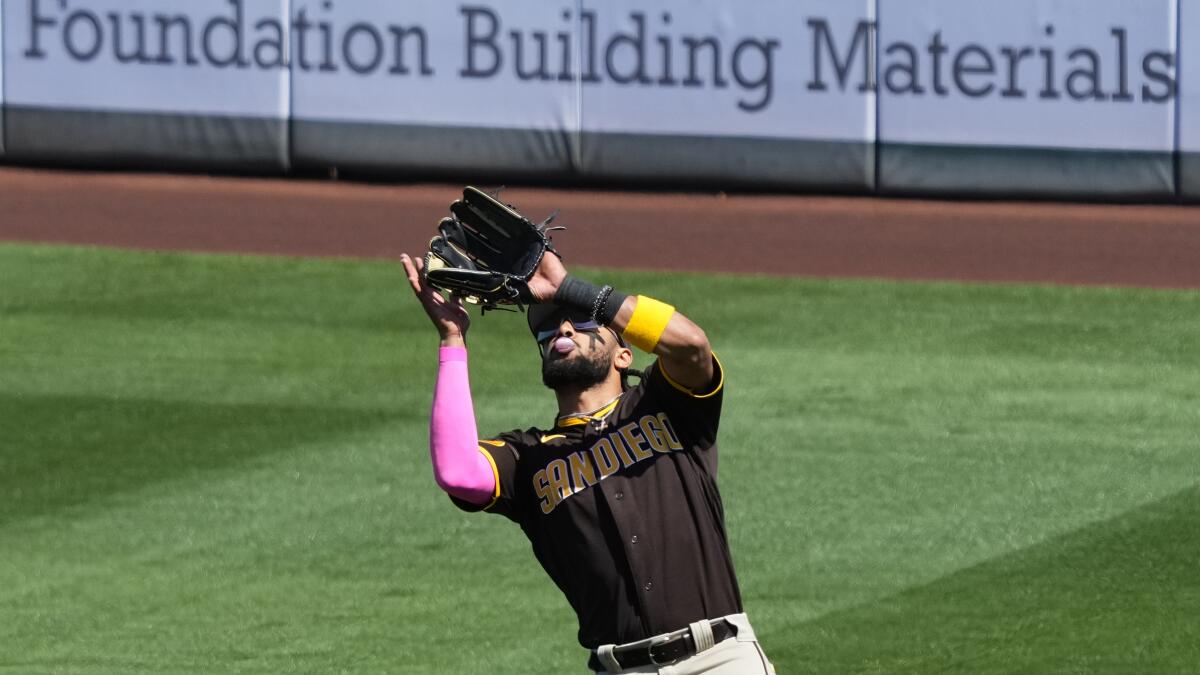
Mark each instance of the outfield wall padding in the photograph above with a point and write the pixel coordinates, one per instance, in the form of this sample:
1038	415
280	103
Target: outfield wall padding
1189	176
696	105
1055	98
1189	100
1069	98
410	109
783	163
1040	172
741	162
173	83
96	138
2	62
393	147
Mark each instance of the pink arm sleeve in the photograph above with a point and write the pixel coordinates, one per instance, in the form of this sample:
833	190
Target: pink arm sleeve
459	467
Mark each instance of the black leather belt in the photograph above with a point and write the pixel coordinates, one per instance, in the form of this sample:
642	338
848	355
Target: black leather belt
662	653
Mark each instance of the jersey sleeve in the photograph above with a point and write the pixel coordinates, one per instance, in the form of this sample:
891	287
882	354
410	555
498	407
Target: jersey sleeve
503	454
695	412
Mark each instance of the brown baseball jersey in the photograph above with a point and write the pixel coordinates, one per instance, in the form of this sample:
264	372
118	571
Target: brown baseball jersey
622	509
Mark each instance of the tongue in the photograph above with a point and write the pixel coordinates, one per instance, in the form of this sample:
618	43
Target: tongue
563	345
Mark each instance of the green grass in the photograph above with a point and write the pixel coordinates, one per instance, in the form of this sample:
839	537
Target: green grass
218	465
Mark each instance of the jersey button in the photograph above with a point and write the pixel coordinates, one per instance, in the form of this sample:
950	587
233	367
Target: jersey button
649	585
633	539
620	495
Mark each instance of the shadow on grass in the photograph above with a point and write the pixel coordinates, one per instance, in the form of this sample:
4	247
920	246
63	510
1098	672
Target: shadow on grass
65	451
1120	596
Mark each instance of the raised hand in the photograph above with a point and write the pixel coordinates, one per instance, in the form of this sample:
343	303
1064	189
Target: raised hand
546	279
447	314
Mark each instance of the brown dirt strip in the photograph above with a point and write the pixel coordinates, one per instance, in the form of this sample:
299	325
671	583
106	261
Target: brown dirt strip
1136	245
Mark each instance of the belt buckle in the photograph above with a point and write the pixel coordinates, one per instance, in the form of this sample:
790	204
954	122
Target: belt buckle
650	650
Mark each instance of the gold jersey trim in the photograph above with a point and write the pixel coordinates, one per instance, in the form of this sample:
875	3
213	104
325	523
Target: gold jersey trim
689	392
495	472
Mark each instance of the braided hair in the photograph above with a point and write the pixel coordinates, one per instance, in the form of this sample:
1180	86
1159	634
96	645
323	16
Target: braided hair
626	373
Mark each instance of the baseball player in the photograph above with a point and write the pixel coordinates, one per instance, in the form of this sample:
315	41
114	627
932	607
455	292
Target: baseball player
618	496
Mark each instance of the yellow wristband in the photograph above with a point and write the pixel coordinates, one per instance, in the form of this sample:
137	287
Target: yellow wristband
649	321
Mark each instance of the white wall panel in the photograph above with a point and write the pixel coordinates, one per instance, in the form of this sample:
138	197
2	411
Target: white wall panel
425	85
2	77
199	81
710	67
433	63
222	57
709	91
1072	97
1083	74
1189	103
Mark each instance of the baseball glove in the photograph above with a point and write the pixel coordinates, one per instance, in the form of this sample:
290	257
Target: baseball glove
486	252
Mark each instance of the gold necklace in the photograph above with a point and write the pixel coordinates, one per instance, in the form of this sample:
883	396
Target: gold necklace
590	417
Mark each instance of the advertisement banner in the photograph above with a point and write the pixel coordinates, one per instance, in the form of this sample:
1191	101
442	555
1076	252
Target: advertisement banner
147	77
431	84
1042	95
1	78
1189	103
689	90
703	88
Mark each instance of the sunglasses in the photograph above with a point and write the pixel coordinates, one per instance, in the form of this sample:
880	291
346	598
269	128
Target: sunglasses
582	326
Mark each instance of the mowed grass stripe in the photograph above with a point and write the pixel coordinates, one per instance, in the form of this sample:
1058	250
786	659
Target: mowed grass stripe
338	556
75	450
1115	596
877	437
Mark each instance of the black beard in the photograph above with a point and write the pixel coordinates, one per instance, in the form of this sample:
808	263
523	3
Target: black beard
581	373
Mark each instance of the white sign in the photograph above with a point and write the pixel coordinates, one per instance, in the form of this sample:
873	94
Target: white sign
1	76
491	64
225	57
712	67
1082	74
686	67
1189	87
1085	74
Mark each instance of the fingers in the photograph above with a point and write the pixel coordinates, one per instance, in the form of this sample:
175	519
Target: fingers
424	292
413	271
439	306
